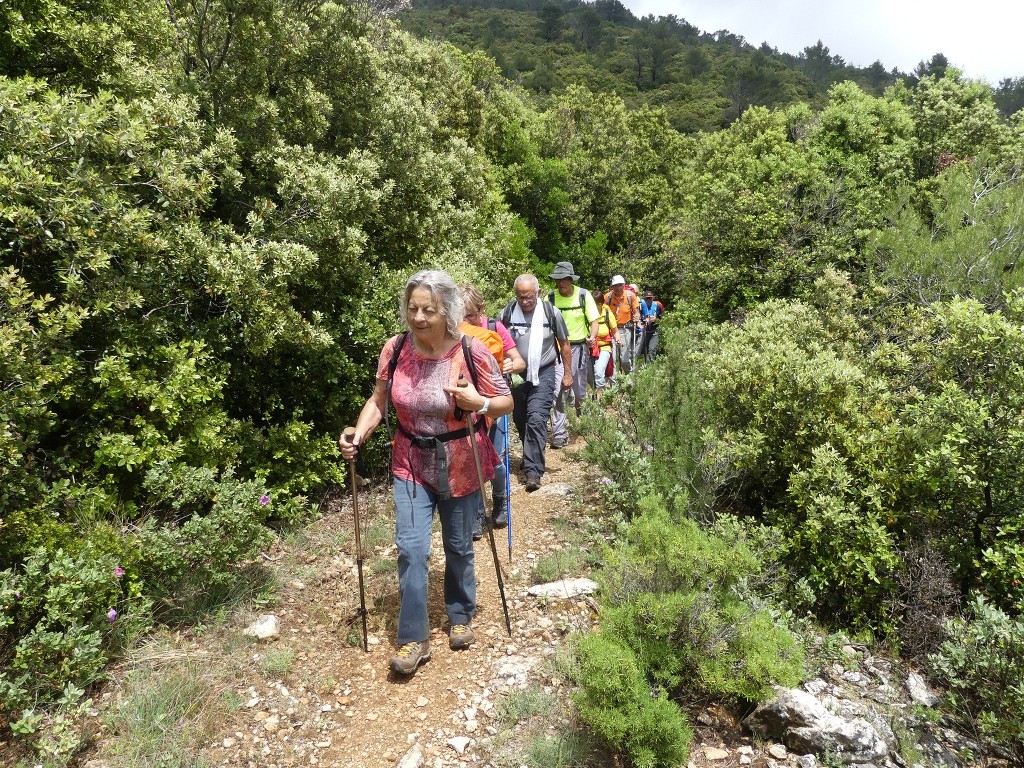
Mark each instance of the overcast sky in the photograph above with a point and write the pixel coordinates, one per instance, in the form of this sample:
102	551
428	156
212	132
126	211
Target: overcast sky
982	38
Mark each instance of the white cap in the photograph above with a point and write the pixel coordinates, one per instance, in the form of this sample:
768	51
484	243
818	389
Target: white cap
618	280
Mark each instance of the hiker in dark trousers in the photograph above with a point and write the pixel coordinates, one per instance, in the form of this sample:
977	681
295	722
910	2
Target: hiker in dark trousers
579	310
510	362
431	458
543	342
650	315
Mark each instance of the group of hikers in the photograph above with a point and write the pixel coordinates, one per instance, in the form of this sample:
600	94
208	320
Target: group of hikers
450	378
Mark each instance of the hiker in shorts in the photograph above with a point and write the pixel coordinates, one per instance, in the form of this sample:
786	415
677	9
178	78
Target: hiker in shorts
579	310
623	301
543	343
426	374
510	361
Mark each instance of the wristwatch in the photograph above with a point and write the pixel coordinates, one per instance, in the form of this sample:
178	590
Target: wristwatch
485	406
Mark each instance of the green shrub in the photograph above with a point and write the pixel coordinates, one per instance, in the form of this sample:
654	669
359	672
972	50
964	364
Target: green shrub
616	702
840	537
198	555
982	667
61	616
684	602
620	458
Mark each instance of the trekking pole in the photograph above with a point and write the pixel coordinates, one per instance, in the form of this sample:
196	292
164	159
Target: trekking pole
508	489
489	526
347	436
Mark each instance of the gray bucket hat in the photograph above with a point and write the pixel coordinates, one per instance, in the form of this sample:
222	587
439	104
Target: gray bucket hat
564	269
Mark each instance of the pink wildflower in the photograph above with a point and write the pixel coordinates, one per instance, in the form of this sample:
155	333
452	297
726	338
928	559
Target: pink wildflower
112	615
264	500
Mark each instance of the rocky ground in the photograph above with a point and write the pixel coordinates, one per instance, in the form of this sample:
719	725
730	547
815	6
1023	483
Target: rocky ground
309	694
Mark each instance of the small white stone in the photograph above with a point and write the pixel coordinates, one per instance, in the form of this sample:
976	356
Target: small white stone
264	628
422	701
412	759
459	744
228	743
564	588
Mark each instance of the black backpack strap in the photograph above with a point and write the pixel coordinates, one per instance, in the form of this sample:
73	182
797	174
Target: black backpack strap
467	352
583	305
549	315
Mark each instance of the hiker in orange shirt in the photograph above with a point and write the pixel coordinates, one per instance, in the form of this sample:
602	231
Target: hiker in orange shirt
626	306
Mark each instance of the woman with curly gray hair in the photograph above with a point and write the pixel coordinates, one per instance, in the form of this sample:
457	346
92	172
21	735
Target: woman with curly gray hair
421	373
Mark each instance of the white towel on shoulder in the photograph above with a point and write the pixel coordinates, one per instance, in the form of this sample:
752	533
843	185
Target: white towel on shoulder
536	347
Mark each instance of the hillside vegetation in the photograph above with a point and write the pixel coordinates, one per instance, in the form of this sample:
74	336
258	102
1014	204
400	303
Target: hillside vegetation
702	80
207	210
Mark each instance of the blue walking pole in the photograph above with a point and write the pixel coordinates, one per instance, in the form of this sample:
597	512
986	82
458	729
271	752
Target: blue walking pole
508	489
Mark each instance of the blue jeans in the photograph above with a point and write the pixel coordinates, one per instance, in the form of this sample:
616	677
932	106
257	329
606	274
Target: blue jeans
498	495
414	518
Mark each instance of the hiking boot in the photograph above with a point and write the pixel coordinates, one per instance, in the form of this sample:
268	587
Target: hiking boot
500	518
460	637
532	483
410	656
559	443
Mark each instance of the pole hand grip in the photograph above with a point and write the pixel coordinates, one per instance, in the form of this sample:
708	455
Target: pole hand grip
459	413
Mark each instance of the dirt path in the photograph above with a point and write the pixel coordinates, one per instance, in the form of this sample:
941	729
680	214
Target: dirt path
311	696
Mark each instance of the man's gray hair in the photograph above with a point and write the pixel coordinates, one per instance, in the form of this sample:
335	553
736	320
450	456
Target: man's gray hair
445	292
525	278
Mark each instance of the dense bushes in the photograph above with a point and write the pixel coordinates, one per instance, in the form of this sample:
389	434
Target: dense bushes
681	620
615	700
851	435
198	268
982	667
